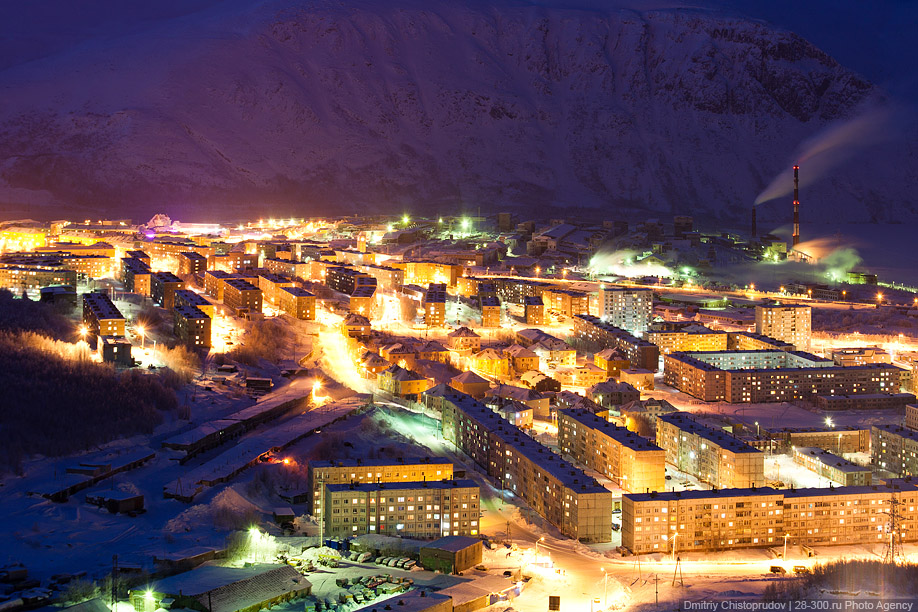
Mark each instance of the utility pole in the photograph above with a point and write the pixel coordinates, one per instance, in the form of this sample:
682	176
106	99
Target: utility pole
893	549
114	580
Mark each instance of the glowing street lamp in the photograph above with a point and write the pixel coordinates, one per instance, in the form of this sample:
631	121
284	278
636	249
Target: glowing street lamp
829	422
542	539
675	535
142	332
83	331
406	219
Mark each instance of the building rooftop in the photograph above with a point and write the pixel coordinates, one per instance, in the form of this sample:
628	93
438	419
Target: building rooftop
622	435
167	277
684	422
415	484
101	306
190	312
469	378
297	291
463	332
324	463
241	284
831	459
453	543
192	255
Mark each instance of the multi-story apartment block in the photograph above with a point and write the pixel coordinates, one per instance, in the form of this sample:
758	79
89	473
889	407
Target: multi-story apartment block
191	262
192	327
464	339
561	493
534	310
242	296
894	449
271	284
911	416
748	341
838	439
640	353
187	297
565	302
744	518
347	280
626	308
101	317
297	302
831	466
346	471
423	510
624	457
163	286
490	310
709	454
787	322
435	305
136	274
22	276
214	282
772	376
695	338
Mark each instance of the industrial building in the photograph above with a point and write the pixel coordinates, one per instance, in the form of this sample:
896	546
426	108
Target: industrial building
626	308
562	494
345	471
423	510
788	322
723	519
451	554
711	455
771	376
626	458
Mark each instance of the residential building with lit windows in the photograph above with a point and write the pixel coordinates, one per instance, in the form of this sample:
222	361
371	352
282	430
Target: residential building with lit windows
634	462
860	355
423	510
895	449
749	341
435	305
565	302
911	416
101	317
163	286
694	338
214	283
187	297
242	296
639	352
787	322
772	376
700	521
191	262
831	466
561	493
271	284
626	308
137	275
19	277
711	455
346	471
490	310
192	327
533	310
464	339
297	302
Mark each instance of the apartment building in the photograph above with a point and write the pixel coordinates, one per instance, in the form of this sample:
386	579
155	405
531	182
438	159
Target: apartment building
163	286
894	449
771	376
187	297
640	353
297	302
694	338
626	308
911	416
242	296
271	284
214	283
561	493
191	263
347	471
101	317
191	326
346	280
136	274
837	438
788	322
464	339
749	341
711	455
534	310
565	301
435	305
19	277
724	519
831	466
423	510
490	310
626	458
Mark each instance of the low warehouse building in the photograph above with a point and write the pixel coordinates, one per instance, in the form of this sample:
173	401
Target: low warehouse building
212	588
451	554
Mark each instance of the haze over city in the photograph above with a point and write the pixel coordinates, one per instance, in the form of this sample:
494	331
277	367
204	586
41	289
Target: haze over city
497	305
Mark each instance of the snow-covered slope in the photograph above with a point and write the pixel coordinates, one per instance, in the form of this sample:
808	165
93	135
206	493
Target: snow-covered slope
347	106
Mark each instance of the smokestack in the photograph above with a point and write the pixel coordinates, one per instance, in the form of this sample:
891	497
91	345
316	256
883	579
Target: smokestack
796	207
755	234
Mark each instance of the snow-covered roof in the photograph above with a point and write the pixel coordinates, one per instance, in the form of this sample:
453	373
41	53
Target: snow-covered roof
469	378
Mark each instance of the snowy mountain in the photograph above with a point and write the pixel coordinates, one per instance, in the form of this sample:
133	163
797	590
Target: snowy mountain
209	107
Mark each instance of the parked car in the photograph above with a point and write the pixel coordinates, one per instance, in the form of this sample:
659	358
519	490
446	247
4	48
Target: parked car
777	569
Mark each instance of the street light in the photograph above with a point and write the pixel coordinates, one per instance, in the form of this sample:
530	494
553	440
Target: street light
675	535
786	535
756	428
829	422
605	587
542	539
142	332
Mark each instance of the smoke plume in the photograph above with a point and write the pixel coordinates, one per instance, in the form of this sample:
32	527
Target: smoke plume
832	147
624	263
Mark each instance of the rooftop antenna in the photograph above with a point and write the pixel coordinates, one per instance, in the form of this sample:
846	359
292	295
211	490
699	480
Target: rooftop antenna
796	206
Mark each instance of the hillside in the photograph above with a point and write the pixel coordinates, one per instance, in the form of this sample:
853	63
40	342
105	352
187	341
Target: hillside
209	107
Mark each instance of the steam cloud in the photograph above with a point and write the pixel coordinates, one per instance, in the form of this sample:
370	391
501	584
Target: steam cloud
622	263
832	147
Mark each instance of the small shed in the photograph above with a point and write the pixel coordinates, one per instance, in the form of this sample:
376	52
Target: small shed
284	515
451	554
